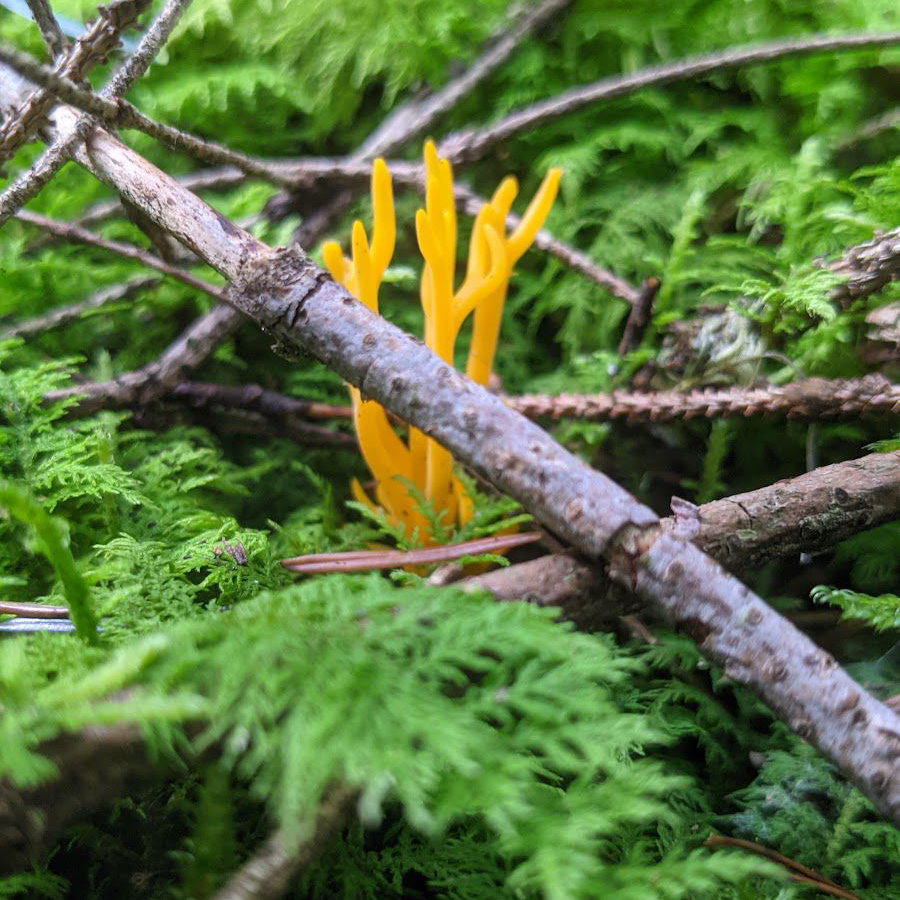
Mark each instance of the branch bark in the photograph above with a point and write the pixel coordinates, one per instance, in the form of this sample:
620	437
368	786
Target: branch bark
807	400
53	35
810	399
868	267
808	513
31	182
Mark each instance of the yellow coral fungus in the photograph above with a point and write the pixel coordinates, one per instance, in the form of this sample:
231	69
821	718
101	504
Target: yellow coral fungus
420	464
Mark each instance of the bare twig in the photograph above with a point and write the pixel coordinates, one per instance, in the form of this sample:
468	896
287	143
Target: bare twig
418	116
639	317
474	143
33	610
409	120
53	35
811	399
67	139
798	872
368	560
70	232
63	314
267	875
886	122
143	386
256	399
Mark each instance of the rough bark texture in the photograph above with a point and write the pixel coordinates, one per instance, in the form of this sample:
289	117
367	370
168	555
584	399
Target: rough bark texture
804	514
102	36
868	267
307	312
811	399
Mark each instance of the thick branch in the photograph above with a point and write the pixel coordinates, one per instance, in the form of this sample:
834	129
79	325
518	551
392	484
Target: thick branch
805	514
474	143
307	312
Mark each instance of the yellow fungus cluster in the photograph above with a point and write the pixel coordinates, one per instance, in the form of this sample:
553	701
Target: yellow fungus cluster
421	462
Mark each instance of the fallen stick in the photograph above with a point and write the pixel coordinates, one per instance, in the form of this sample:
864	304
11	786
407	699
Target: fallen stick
808	513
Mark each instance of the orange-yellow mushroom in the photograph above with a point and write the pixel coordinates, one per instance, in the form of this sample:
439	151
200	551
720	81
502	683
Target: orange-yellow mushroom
419	461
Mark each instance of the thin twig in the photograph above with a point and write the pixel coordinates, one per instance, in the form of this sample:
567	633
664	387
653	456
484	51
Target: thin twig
417	117
408	121
70	232
799	872
269	872
810	399
61	315
257	399
368	560
639	316
68	139
474	143
56	41
33	610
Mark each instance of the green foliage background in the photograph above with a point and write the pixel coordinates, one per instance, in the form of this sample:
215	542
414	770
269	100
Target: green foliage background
497	752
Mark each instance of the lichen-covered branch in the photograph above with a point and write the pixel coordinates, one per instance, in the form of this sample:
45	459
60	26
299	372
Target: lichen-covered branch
67	139
23	121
